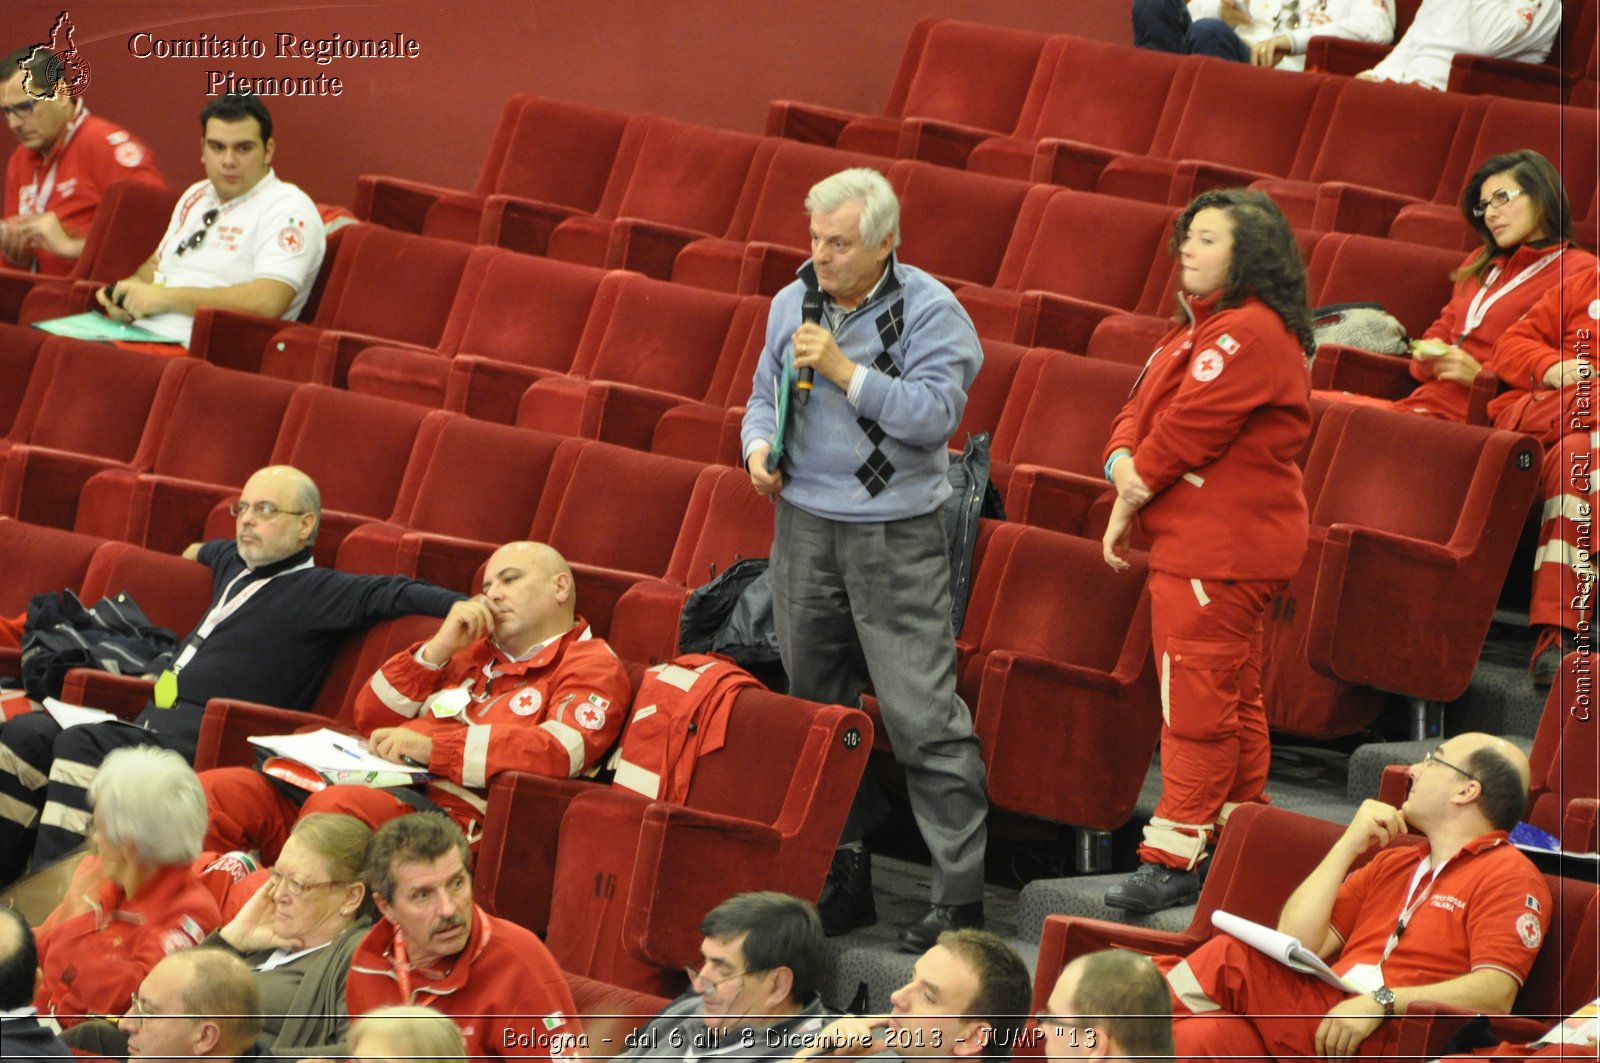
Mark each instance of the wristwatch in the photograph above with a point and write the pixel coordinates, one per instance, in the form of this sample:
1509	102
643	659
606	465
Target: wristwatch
1385	998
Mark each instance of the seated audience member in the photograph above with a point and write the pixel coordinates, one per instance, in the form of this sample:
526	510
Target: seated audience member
64	160
134	899
513	680
1518	207
1546	361
406	1032
1458	921
193	1004
1113	1004
755	994
495	979
270	635
969	995
1522	30
24	1036
1261	32
239	240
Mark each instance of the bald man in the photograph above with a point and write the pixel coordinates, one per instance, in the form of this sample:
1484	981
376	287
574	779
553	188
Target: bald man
1110	1004
513	680
1458	920
275	621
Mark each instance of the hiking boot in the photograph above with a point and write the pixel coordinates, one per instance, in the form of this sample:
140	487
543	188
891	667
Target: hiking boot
1154	888
923	934
847	895
1553	646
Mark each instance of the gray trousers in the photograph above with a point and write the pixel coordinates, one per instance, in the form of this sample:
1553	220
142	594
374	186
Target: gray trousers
860	602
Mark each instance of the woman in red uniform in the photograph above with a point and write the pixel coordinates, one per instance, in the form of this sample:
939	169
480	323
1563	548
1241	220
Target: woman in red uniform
1518	207
1203	457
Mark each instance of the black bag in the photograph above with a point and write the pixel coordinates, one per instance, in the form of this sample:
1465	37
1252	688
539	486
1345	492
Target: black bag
61	634
972	495
732	615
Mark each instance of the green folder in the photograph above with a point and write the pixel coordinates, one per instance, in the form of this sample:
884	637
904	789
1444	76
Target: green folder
781	401
92	326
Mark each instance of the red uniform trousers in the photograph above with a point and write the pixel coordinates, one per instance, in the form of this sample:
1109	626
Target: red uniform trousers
1231	1002
1215	751
249	812
1563	570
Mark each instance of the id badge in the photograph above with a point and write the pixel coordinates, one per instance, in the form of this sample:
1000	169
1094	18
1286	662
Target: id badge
166	692
1366	977
448	703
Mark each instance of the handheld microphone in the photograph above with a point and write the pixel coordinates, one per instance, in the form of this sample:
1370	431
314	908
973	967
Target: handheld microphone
810	314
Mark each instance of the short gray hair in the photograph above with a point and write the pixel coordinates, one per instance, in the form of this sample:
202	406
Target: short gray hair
150	798
880	208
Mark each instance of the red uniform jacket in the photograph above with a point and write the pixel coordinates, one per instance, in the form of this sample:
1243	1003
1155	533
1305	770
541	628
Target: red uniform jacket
99	153
556	713
1511	299
1215	423
1560	327
94	961
504	989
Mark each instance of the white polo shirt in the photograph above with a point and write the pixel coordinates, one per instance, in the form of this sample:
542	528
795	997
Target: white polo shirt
273	231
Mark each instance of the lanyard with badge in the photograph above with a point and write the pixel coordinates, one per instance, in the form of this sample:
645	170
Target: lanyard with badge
44	185
166	692
1368	977
1478	309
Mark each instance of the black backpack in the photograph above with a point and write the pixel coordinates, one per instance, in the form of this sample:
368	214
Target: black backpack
114	636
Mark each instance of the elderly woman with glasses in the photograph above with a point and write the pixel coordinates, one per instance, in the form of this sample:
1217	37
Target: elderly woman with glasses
134	899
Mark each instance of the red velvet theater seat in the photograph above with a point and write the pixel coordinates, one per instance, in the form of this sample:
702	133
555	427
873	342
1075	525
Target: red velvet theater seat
726	521
1072	261
1069	687
384	287
647	215
1413	524
1357	180
963	75
85	409
1048	449
769	236
19	352
551	151
210	428
1091	95
956	225
129	222
649	345
515	318
480	483
634	877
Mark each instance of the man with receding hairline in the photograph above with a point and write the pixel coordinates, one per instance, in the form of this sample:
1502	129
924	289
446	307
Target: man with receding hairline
1457	921
276	619
21	1032
513	680
1111	1004
197	1003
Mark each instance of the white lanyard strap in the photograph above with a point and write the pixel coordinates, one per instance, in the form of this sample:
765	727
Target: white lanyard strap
1479	307
1409	908
42	187
226	608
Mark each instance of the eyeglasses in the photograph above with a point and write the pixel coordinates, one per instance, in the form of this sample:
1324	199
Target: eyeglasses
701	984
1437	759
19	110
1499	199
191	243
294	887
264	510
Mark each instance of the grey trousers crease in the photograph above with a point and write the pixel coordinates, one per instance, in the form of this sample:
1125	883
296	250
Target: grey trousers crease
859	602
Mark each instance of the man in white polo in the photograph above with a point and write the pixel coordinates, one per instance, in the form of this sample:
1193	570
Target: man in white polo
239	240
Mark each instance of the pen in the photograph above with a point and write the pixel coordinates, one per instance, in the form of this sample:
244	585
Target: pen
347	751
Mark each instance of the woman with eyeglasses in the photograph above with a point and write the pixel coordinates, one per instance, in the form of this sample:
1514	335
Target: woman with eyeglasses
1519	209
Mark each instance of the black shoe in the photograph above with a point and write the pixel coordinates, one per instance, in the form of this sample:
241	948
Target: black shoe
847	895
1153	888
924	933
1553	646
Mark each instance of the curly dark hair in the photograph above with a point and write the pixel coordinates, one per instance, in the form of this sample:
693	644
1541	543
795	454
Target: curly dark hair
1536	176
1266	261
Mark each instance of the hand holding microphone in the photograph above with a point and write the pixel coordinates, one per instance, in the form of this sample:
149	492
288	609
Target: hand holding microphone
810	314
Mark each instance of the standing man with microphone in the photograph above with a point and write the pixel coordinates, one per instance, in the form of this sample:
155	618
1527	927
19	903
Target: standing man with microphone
860	565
